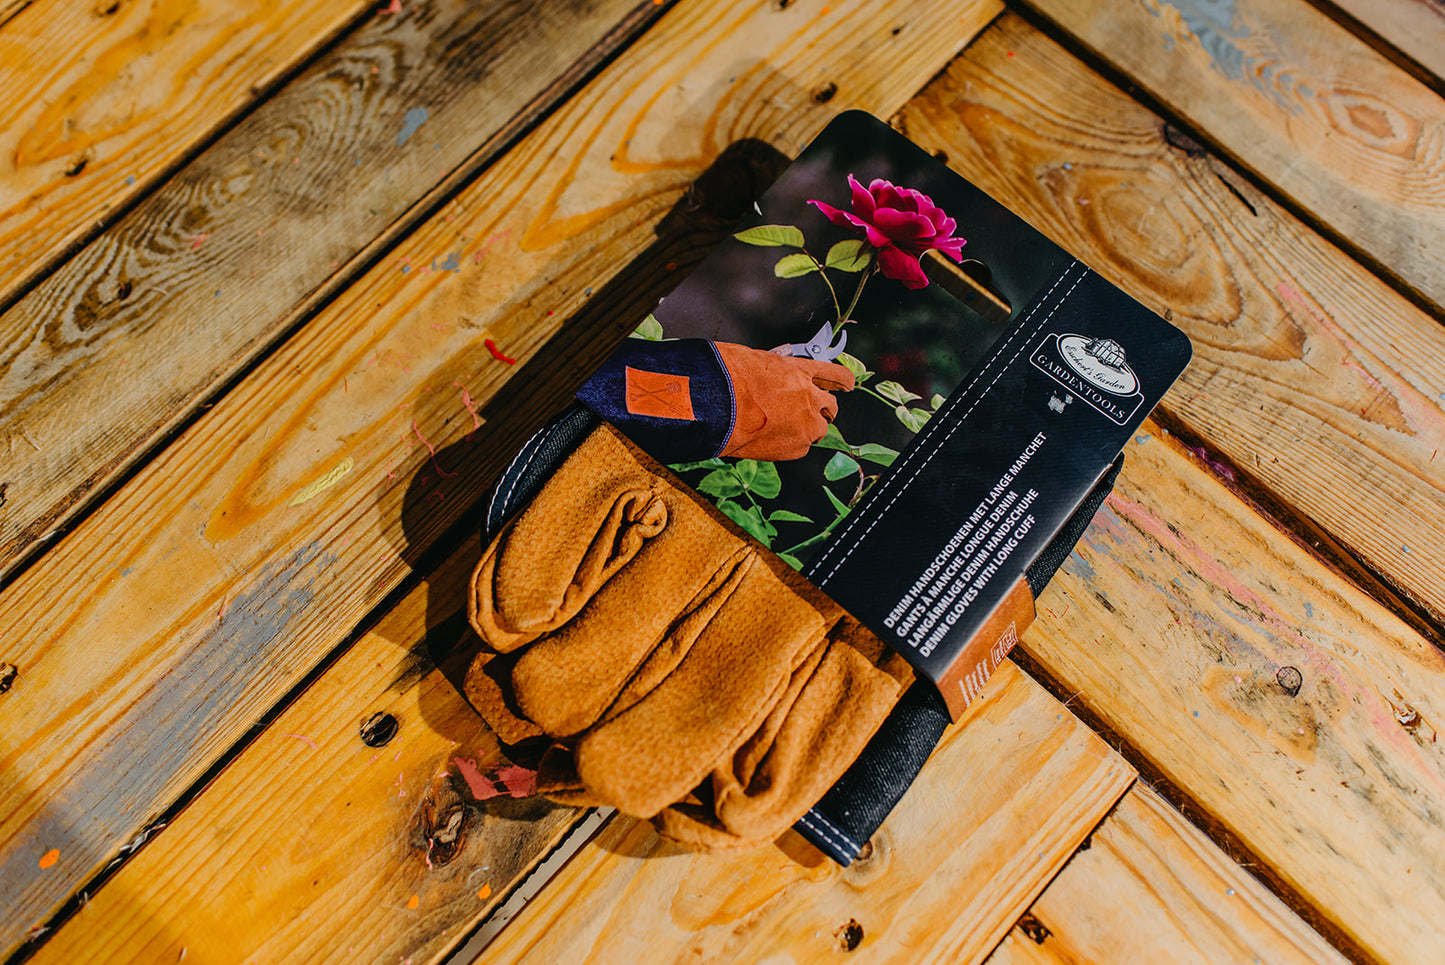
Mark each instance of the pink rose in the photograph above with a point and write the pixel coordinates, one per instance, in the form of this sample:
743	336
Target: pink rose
901	223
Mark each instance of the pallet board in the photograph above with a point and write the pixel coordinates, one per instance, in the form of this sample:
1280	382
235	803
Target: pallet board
138	85
206	274
1185	621
338	850
1415	28
242	554
1310	375
1149	887
1310	109
1010	792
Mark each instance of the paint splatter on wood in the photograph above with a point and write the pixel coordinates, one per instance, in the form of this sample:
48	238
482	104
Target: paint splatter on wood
318	487
511	780
497	353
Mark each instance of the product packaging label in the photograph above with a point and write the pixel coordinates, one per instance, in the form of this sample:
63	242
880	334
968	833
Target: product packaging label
898	386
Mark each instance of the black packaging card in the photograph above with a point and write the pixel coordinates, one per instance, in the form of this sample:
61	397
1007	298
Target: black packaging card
898	386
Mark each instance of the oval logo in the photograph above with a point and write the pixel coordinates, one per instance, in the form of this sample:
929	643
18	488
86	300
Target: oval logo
1101	361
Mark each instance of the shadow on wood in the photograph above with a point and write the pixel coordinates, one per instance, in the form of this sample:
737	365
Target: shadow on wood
716	202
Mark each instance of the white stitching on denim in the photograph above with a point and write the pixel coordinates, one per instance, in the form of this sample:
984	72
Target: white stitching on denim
540	439
923	460
732	399
844	844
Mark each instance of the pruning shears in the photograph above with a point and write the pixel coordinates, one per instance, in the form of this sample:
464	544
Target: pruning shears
821	346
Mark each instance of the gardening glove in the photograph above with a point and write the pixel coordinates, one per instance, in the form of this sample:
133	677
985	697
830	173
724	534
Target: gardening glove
783	404
695	654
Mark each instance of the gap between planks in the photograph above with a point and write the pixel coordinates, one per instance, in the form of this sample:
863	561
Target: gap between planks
142	88
213	304
1147	886
201	557
1342	136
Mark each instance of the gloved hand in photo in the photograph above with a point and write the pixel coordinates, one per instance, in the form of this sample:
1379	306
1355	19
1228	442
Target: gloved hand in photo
691	399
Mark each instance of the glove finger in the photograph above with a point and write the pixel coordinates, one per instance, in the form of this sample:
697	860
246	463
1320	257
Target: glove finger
587	522
831	376
827	405
488	688
808	742
629	635
718	695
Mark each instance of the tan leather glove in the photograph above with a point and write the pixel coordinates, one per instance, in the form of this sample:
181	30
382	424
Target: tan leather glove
684	673
784	404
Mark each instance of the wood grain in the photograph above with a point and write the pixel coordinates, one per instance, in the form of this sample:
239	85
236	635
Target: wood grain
323	840
1352	140
1150	887
1013	788
262	228
1415	28
9	8
139	83
151	636
1310	374
1174	623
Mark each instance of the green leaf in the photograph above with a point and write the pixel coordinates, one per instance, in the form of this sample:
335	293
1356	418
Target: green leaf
840	466
787	516
854	255
843	508
833	439
874	452
750	520
747	471
650	329
721	482
791	560
795	266
938	401
859	370
713	463
772	236
912	418
766	483
894	392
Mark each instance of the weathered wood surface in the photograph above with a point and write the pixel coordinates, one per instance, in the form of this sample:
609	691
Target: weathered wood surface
1310	374
207	273
1415	28
1174	623
336	850
1295	98
1150	887
219	575
102	100
950	871
9	8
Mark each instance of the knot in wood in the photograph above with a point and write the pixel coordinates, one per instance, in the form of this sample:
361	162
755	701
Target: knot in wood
849	935
1290	680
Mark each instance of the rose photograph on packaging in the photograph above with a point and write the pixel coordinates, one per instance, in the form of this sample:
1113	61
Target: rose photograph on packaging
897	386
800	515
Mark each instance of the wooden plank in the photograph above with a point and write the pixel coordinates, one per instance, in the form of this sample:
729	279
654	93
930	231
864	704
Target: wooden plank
208	272
9	8
1150	887
310	846
1184	621
151	636
1009	793
1414	28
1310	375
1293	97
102	100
